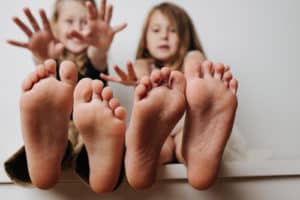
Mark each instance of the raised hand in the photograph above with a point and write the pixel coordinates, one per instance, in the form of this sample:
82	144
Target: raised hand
129	78
41	42
99	33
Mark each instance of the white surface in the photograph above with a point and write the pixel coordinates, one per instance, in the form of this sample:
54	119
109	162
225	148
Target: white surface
258	39
225	189
246	169
267	180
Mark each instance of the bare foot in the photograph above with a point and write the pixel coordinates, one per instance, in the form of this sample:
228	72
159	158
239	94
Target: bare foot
101	121
212	102
46	106
158	105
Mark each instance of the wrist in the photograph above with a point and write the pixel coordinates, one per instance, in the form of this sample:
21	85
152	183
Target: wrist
100	52
37	60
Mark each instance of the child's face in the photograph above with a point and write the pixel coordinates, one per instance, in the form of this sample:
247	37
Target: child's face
162	38
72	16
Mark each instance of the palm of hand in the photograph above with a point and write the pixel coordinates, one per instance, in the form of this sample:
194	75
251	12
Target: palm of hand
41	44
101	34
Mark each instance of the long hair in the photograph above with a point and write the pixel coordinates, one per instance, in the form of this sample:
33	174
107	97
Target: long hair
188	39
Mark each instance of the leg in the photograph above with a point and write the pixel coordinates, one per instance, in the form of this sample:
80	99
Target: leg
46	106
158	105
101	122
211	106
178	147
167	151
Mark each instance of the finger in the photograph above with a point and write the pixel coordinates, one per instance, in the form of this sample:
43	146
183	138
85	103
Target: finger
45	20
119	27
102	9
109	78
92	13
131	72
18	44
22	26
109	13
120	73
32	20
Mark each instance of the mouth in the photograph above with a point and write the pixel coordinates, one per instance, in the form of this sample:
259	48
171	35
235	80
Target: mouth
76	40
164	47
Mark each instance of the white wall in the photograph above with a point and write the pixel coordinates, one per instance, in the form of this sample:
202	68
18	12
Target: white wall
258	39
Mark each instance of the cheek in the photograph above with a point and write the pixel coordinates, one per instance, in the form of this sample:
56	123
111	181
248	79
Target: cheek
149	38
175	43
150	41
60	31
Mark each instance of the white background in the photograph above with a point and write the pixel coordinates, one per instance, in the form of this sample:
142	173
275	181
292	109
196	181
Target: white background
258	39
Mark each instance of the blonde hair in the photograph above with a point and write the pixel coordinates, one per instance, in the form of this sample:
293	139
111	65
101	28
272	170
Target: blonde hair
81	59
185	30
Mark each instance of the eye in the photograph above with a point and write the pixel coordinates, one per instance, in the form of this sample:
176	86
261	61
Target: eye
173	30
84	22
69	21
155	29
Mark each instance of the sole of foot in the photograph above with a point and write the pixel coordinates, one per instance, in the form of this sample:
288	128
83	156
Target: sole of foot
158	105
211	107
45	107
101	122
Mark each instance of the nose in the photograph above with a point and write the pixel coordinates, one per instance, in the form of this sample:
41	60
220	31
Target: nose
77	26
164	34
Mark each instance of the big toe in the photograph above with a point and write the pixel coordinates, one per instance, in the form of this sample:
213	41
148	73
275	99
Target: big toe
192	64
83	91
68	72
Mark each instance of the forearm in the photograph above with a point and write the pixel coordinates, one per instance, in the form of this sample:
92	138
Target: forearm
98	58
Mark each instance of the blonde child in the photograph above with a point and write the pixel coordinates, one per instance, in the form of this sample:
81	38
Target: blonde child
82	35
206	93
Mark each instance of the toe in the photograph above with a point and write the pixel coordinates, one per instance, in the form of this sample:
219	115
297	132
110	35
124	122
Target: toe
120	113
68	72
29	81
107	94
207	69
50	66
146	82
83	91
140	92
33	77
155	77
97	89
41	71
178	81
165	74
114	103
227	68
219	70
192	64
233	85
227	77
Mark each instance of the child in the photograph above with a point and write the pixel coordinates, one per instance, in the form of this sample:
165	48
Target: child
206	93
81	35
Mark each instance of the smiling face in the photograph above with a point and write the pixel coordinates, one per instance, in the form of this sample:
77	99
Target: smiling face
72	16
161	38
